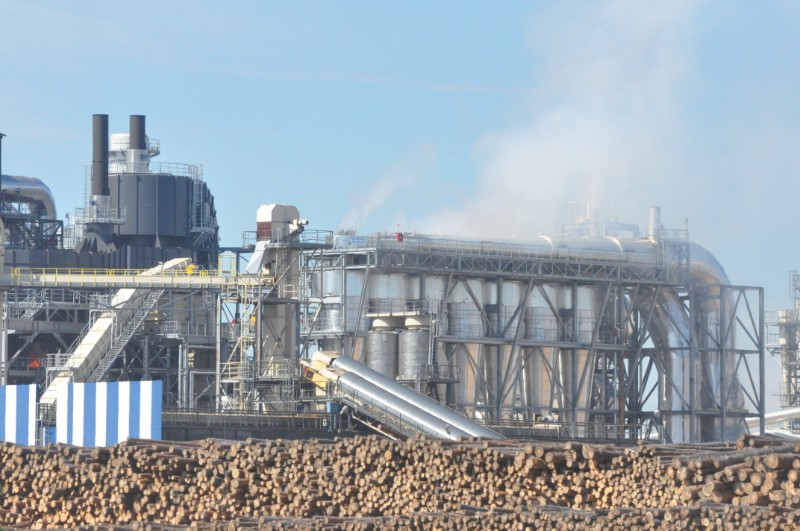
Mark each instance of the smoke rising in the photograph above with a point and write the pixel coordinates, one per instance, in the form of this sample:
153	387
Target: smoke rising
602	126
399	179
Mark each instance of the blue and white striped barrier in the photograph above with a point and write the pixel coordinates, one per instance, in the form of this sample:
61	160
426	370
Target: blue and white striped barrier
18	407
105	413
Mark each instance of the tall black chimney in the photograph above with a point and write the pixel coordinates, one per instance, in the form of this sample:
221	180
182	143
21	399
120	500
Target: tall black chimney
137	139
100	154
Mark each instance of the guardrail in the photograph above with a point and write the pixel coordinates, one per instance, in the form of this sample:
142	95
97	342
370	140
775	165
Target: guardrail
242	417
382	413
85	277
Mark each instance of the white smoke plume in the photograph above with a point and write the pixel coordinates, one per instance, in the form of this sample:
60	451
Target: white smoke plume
399	179
602	125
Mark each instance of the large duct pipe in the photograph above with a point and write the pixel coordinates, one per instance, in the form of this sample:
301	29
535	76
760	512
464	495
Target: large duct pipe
100	154
719	385
406	395
670	330
32	191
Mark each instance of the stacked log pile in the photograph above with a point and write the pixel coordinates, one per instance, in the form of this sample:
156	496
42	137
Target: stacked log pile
368	482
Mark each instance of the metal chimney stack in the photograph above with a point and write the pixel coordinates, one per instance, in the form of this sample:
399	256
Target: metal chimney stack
100	155
138	157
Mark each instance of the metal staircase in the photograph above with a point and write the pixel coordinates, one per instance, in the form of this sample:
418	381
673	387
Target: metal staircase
121	333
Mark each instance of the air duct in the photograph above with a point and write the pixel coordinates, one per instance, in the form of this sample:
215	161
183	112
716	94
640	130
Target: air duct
32	191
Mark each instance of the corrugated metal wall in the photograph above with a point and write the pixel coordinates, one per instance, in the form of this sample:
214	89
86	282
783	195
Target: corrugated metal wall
18	407
105	413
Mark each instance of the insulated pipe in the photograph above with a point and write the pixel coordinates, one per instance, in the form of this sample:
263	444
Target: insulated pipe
669	328
715	308
430	425
30	190
100	155
403	394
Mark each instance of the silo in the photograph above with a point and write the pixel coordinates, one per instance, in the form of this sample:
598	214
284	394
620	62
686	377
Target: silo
331	283
330	318
382	352
355	318
573	361
513	295
414	346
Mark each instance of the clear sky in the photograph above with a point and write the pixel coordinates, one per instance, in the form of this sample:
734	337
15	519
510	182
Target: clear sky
454	117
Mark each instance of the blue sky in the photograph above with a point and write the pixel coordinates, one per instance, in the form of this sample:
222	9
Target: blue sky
464	118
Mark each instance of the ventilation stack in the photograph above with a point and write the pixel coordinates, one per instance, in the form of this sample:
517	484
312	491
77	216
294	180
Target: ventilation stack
99	230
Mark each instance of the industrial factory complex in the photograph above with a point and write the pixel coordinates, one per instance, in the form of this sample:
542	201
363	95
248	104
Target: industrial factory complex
602	332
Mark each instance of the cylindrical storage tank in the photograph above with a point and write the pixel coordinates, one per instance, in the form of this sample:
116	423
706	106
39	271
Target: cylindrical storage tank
434	287
388	286
356	318
413	353
315	289
540	324
330	319
587	313
490	326
382	352
331	282
464	320
509	323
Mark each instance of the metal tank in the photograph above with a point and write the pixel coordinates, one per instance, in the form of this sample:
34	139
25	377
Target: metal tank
355	313
414	345
464	320
382	352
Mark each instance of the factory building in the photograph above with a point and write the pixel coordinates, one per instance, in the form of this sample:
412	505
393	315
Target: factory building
598	333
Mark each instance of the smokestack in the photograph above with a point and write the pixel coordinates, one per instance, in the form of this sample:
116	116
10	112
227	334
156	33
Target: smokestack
100	155
138	140
654	223
138	157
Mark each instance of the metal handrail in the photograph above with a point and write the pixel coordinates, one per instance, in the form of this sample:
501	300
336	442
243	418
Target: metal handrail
94	273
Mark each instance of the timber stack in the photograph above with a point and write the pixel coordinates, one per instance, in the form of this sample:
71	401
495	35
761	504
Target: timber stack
373	483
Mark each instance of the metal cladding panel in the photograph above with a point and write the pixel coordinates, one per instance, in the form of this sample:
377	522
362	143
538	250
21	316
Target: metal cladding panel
105	413
168	204
138	194
18	407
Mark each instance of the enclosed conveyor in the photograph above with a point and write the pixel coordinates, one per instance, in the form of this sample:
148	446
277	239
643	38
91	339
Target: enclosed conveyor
409	396
108	334
390	403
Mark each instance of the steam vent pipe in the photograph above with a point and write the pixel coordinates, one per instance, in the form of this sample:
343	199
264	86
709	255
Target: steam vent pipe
100	155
